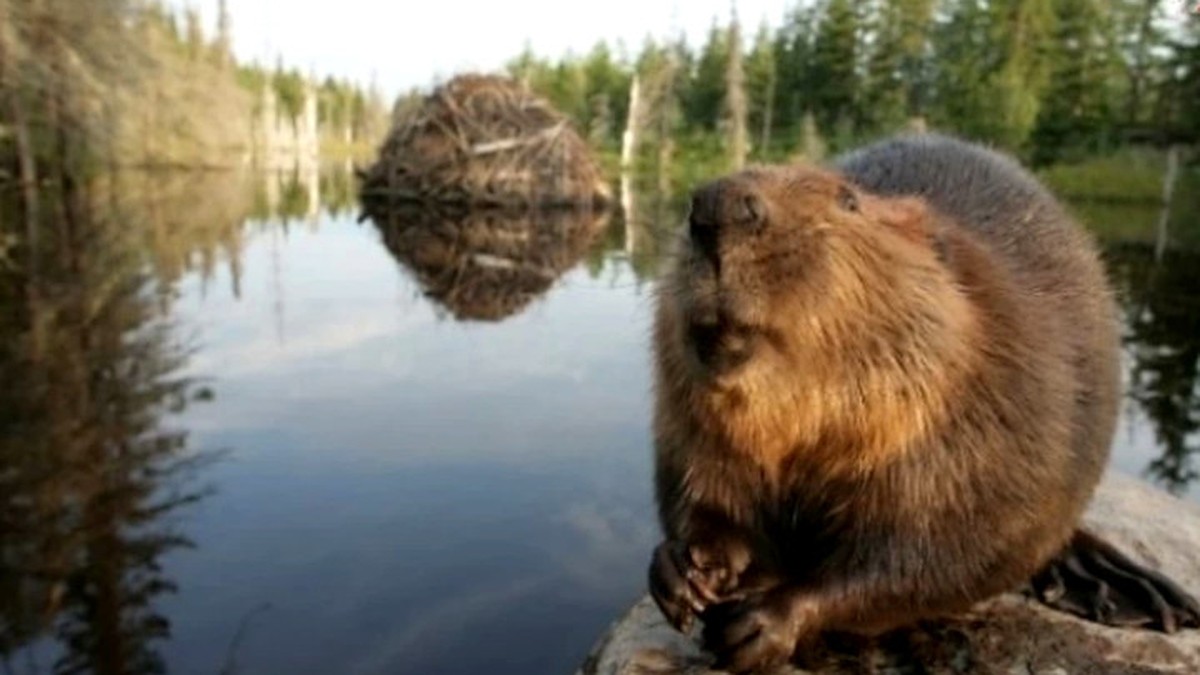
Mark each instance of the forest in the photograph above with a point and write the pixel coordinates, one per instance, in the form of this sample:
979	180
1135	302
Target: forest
1051	80
90	86
118	83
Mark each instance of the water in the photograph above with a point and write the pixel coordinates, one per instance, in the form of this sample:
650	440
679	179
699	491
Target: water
302	444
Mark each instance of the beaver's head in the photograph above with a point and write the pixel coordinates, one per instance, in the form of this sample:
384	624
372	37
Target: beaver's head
789	267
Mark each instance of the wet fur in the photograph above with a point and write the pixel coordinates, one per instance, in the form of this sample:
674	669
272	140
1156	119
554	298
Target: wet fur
931	396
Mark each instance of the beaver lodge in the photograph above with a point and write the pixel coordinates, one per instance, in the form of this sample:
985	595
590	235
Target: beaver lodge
483	141
487	265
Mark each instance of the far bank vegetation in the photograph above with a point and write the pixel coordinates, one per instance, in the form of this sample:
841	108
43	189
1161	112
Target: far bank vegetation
1054	81
90	86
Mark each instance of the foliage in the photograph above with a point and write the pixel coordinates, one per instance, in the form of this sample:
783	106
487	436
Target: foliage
106	83
91	468
1049	80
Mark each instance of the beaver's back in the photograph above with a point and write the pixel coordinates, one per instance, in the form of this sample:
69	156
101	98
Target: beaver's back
994	196
1052	261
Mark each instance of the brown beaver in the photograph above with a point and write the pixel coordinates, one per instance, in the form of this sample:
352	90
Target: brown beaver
885	392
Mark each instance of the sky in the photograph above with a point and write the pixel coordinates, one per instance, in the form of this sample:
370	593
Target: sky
402	44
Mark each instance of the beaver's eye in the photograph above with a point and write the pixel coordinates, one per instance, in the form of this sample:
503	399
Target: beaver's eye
847	199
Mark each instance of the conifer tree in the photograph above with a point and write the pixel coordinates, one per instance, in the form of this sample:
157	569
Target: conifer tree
1140	27
793	53
761	78
1078	108
895	84
833	74
1020	32
706	90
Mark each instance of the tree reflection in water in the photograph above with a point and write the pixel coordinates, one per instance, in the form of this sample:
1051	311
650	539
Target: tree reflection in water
1161	303
90	468
93	474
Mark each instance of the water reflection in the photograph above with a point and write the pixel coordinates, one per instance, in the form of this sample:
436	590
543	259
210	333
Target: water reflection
397	486
487	265
91	468
1161	302
94	466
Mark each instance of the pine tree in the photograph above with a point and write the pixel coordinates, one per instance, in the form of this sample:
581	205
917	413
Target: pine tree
761	77
607	93
1078	108
1181	95
706	90
525	66
1139	24
895	85
833	73
793	54
1021	34
962	57
992	68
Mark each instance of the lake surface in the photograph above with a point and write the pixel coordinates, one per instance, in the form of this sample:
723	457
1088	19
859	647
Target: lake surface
245	433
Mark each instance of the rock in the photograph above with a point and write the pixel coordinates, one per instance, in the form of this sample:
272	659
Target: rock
1008	634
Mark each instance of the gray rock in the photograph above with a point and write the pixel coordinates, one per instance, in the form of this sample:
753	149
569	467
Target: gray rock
1008	634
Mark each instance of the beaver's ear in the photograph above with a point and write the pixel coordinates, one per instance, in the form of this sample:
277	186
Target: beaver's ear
910	217
907	216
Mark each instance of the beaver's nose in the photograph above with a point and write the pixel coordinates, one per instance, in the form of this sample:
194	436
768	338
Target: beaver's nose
723	206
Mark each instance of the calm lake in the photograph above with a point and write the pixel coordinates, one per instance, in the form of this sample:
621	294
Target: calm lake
245	433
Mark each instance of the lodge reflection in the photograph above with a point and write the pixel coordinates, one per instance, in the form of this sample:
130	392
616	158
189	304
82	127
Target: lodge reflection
1161	303
90	466
487	265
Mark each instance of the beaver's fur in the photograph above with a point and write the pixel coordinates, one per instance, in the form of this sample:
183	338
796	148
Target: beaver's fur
884	392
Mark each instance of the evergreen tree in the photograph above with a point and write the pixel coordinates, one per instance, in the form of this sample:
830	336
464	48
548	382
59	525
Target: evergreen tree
1078	108
992	68
525	66
1181	113
607	93
793	53
833	73
761	78
962	58
895	85
1139	24
289	87
1021	35
706	91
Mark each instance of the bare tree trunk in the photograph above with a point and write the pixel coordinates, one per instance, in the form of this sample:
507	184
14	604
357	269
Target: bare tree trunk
735	96
629	141
768	112
666	151
27	177
27	167
10	90
667	111
633	121
1164	216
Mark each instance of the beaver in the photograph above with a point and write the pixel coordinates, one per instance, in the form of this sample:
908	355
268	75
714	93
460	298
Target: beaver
885	391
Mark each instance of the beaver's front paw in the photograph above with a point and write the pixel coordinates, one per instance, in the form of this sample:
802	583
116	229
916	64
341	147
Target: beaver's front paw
754	634
685	579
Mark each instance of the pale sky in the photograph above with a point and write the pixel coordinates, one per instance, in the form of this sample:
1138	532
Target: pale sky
402	43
